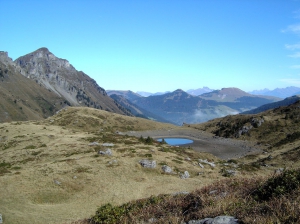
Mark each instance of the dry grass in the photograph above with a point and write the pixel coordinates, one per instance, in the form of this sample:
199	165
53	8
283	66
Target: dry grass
235	197
50	174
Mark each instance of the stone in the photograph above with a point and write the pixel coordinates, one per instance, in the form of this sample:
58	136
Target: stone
93	144
201	165
1	220
57	182
216	220
107	144
166	169
148	163
185	175
206	162
108	152
279	171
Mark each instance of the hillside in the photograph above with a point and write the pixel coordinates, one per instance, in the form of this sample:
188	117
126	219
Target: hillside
180	107
136	110
61	169
129	95
285	102
271	128
23	98
59	76
51	170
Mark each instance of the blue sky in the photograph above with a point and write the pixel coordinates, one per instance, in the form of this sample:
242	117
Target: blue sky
163	45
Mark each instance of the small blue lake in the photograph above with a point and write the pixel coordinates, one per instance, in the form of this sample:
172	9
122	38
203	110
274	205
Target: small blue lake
177	141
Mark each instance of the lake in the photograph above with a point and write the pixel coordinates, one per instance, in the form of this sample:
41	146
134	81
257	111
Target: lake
177	141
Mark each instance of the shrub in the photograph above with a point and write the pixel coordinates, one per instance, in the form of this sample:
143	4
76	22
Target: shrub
278	185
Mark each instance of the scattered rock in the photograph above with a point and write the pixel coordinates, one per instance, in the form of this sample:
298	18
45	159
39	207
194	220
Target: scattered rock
108	144
113	162
185	175
93	144
148	163
75	177
57	182
256	122
108	152
201	165
166	169
216	220
279	171
213	192
1	220
206	162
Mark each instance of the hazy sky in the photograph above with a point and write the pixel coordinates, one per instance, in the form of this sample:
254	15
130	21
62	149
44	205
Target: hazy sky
160	45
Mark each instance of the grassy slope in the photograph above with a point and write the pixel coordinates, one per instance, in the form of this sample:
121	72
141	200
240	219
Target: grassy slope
35	155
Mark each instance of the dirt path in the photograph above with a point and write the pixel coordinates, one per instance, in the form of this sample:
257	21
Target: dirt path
204	142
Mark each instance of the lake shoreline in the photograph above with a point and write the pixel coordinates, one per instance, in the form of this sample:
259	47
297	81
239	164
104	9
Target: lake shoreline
223	148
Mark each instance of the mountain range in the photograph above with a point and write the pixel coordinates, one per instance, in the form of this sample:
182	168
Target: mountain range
278	92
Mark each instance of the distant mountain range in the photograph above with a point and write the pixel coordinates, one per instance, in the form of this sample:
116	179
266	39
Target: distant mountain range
278	92
179	107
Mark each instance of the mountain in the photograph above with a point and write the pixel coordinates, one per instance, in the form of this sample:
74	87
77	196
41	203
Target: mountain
23	98
60	77
146	94
136	110
129	95
278	92
180	107
285	102
197	92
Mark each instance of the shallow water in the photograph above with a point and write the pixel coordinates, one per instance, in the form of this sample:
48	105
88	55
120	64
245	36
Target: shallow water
177	141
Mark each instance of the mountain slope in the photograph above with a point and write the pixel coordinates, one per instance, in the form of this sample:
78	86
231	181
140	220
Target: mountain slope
23	98
285	102
129	95
136	110
60	77
272	128
181	107
200	91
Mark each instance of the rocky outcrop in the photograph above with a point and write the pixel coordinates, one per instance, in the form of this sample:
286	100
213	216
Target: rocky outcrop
59	76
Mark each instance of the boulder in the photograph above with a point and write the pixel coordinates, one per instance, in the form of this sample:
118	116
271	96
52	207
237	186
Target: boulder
148	163
108	152
166	169
107	144
185	175
216	220
206	162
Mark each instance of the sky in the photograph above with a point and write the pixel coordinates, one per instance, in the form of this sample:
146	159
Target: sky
162	45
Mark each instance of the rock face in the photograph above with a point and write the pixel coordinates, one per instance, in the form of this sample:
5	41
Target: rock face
60	77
